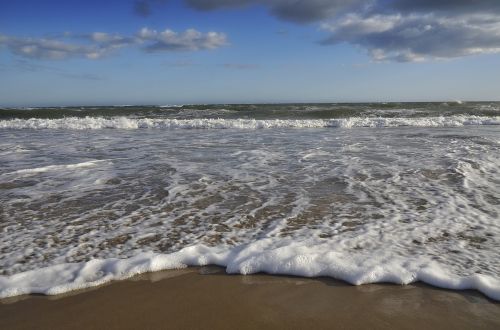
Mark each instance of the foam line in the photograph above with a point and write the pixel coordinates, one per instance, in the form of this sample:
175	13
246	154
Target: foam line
298	259
88	123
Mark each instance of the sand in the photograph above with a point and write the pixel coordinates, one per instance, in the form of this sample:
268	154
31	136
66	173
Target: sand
207	298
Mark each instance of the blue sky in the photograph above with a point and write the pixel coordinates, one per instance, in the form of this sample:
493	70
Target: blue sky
223	51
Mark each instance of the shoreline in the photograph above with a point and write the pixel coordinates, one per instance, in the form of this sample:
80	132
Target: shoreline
206	297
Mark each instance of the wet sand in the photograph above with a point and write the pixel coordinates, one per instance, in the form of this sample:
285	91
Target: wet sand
207	298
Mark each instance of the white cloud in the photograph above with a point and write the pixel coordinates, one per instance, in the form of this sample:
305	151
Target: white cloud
398	30
417	36
300	11
49	48
189	40
99	44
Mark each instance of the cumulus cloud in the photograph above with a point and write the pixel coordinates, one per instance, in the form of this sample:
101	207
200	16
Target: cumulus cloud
59	48
189	40
447	5
216	4
303	11
300	11
99	44
392	30
416	36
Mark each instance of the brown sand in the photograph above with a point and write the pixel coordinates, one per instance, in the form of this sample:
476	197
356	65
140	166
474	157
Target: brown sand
206	298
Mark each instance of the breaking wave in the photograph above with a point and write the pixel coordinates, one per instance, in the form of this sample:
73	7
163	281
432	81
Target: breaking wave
88	123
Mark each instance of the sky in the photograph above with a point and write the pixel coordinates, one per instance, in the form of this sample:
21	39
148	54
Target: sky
118	52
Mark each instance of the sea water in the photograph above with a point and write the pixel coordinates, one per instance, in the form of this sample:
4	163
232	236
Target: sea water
397	192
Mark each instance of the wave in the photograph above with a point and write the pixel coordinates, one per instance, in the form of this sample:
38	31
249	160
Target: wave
300	259
88	123
171	106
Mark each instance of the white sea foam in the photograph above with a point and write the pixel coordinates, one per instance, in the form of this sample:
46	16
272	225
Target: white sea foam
86	123
171	106
56	167
306	259
392	205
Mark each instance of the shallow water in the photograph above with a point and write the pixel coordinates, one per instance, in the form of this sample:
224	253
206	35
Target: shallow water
364	204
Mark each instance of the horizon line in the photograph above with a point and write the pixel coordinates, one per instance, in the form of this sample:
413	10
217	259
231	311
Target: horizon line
180	104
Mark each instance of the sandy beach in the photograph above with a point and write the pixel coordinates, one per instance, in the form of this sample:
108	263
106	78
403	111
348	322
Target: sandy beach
207	298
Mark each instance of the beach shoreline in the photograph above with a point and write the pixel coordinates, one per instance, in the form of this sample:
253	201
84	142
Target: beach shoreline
206	297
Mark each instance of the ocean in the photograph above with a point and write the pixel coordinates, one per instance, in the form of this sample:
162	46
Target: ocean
365	193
